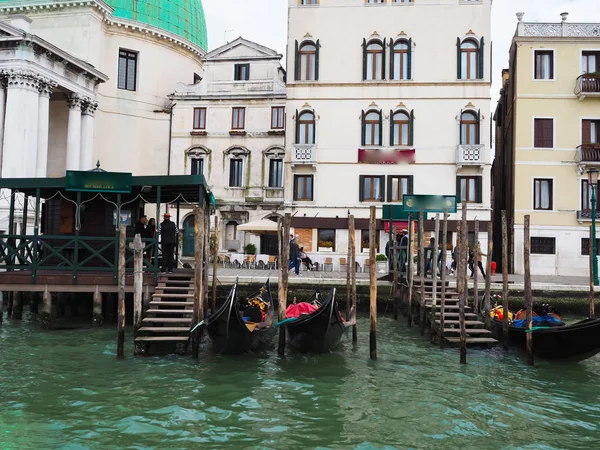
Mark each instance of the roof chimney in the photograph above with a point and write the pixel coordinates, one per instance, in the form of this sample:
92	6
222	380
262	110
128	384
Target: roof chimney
564	16
20	21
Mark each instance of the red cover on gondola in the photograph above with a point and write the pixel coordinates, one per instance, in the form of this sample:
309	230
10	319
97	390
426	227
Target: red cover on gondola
295	311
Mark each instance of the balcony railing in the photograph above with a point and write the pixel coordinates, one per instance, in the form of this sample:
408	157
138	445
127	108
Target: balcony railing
588	153
470	155
588	85
304	154
586	214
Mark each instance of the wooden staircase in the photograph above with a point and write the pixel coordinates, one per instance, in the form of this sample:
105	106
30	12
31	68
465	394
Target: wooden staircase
167	321
477	334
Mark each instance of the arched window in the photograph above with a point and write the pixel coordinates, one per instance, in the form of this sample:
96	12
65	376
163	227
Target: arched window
401	129
373	60
469	128
470	59
305	128
307	61
371	128
401	60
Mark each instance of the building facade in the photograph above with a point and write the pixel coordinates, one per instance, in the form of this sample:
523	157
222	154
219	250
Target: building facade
547	137
398	103
230	127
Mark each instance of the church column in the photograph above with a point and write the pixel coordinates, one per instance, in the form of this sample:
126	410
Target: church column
87	134
43	129
19	151
74	102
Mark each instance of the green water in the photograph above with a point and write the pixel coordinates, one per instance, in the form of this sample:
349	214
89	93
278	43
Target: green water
65	389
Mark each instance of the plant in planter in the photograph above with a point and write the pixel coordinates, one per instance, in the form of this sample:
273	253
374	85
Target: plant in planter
382	265
381	258
250	249
326	245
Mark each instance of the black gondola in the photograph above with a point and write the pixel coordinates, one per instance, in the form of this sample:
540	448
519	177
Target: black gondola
319	332
574	342
230	333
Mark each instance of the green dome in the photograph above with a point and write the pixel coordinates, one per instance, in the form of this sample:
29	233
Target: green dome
185	18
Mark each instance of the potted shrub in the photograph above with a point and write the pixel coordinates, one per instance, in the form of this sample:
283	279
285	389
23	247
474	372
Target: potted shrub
325	246
250	249
382	264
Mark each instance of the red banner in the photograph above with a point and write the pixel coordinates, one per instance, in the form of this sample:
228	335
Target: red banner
392	156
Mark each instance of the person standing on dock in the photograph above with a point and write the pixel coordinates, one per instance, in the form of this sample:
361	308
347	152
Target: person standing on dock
168	238
140	227
295	258
403	257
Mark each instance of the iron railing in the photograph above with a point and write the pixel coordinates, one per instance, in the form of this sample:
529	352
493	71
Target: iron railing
588	83
588	153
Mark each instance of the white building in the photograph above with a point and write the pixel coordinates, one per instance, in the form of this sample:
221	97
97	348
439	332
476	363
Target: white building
230	127
395	102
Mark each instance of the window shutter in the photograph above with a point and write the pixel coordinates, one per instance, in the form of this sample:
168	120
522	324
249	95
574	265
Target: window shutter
479	190
361	188
537	133
411	128
247	71
297	61
362	127
410	185
364	46
391	58
314	134
586	131
297	128
458	60
382	187
460	130
317	61
383	58
478	129
458	199
409	61
380	127
548	133
391	127
389	188
481	61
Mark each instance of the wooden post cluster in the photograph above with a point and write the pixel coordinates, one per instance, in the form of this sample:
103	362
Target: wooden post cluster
198	314
121	298
464	293
207	255
284	257
394	254
215	255
443	293
411	270
476	269
348	276
422	268
352	264
138	281
373	283
434	267
528	294
488	277
1	307
592	312
505	280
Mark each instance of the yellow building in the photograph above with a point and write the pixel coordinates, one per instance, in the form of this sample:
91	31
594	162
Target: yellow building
547	137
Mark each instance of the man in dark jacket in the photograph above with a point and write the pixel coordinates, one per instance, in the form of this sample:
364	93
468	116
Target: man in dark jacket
294	256
168	238
140	227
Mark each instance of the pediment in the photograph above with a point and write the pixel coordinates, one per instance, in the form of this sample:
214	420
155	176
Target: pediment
242	49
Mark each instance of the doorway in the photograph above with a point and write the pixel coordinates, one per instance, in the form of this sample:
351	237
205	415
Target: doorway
188	236
269	244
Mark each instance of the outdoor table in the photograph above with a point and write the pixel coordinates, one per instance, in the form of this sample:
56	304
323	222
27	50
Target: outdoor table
263	258
236	257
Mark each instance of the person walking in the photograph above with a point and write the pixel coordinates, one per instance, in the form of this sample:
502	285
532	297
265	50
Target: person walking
472	260
168	232
294	256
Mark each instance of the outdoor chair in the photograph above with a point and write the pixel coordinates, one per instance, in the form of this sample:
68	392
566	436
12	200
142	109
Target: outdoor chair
272	264
343	264
250	262
224	259
328	262
366	265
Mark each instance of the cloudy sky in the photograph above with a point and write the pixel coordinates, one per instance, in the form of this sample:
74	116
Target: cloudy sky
265	22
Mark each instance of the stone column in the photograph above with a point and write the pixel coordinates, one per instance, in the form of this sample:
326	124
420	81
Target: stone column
87	134
21	124
43	128
74	132
2	110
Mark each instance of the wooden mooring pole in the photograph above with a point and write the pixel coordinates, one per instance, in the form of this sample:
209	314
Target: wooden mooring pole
348	276
505	280
528	294
434	268
215	256
352	263
121	299
422	269
464	251
444	270
1	307
394	255
198	314
373	282
488	278
476	269
284	257
592	312
411	270
138	281
206	260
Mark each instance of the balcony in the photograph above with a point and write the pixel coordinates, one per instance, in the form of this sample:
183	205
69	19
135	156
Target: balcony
232	246
588	154
588	85
470	155
586	215
304	154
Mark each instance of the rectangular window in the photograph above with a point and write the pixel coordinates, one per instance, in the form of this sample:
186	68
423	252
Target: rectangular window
238	119
543	133
372	188
235	172
542	194
590	131
365	242
276	173
241	72
197	166
543	246
585	246
303	188
127	76
327	239
399	186
277	117
199	118
544	65
586	194
469	189
590	61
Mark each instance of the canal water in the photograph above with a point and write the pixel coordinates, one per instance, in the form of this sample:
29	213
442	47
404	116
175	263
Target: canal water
65	389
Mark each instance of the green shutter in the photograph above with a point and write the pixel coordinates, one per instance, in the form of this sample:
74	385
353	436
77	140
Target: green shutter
481	61
364	46
409	61
317	61
362	127
297	128
458	199
391	58
382	184
383	58
478	129
391	127
297	61
361	188
389	188
458	60
479	190
314	134
411	128
460	129
411	184
380	128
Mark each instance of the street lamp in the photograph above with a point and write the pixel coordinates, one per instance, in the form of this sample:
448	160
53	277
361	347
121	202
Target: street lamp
593	182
